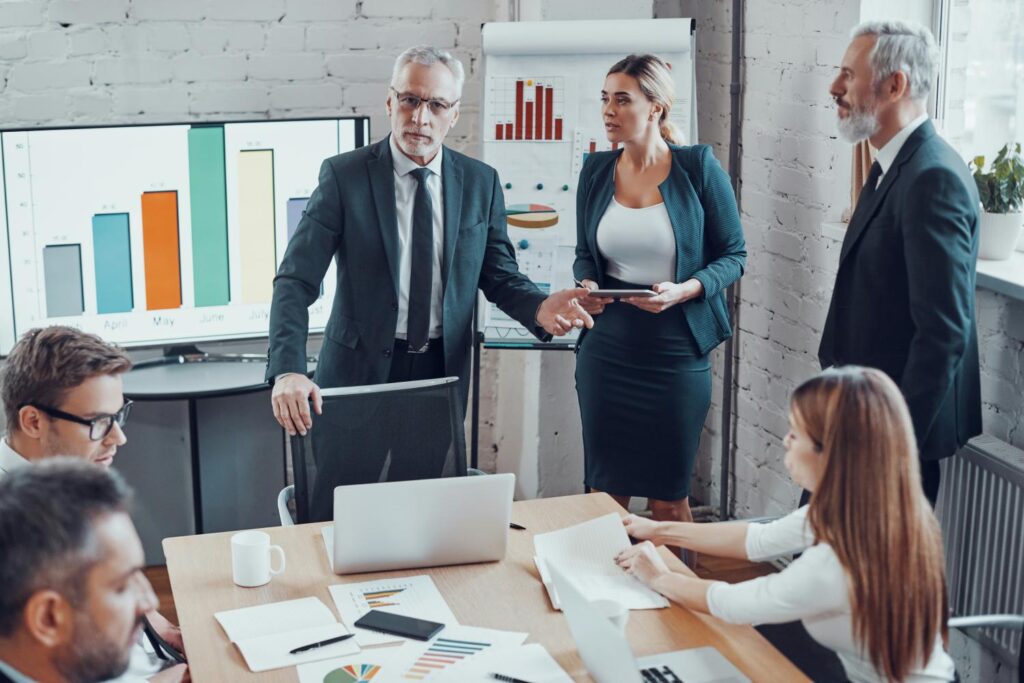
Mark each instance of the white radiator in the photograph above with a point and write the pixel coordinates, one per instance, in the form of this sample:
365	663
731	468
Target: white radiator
981	509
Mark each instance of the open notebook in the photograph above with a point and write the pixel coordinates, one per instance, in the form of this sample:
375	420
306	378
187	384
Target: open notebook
264	634
589	549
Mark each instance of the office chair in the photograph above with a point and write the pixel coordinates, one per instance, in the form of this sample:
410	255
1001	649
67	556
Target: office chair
1013	622
375	433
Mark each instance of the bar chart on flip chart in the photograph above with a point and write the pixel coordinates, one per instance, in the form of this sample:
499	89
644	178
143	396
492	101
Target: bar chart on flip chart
157	233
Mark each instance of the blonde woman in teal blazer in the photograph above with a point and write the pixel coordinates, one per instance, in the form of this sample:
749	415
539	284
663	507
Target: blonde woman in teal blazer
660	216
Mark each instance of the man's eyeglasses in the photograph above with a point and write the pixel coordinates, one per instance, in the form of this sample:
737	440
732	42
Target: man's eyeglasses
410	102
99	426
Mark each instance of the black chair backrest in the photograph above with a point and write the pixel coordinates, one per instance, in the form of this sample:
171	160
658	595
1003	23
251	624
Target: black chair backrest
374	433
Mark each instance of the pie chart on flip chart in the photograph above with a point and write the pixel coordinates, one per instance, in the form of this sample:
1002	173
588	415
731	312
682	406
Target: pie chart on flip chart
353	673
531	215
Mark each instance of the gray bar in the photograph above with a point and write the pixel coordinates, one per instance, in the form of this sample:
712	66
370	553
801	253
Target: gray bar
62	268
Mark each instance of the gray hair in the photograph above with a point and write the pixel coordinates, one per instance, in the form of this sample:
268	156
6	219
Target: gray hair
47	540
902	46
428	55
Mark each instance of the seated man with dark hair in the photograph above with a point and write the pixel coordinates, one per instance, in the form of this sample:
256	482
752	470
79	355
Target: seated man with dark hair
62	393
74	596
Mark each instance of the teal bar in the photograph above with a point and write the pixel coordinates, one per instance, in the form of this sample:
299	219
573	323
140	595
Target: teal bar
112	256
209	205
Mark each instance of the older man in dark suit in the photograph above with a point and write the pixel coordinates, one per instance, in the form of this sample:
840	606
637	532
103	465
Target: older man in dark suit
416	229
904	295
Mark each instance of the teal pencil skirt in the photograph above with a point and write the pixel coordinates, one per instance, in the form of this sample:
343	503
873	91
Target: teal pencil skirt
644	391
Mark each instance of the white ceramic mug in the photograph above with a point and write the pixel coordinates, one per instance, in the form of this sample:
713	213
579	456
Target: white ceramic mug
613	611
250	558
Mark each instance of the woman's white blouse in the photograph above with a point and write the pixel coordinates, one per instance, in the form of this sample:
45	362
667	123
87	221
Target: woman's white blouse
638	245
814	589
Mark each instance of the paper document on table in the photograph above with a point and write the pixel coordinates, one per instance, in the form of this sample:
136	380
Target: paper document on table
588	551
266	634
527	663
410	596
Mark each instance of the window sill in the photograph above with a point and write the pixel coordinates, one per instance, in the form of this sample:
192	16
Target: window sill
1005	277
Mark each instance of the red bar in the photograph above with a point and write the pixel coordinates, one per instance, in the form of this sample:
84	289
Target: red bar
558	128
593	146
508	131
499	132
549	105
519	110
538	110
529	121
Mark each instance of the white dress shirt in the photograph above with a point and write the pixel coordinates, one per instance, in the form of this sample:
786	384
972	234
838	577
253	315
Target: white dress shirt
144	661
10	460
813	588
891	149
405	199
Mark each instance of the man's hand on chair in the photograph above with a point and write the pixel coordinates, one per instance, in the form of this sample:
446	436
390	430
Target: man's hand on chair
290	400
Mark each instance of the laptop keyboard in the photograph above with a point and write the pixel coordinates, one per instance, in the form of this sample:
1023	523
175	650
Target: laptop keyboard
662	674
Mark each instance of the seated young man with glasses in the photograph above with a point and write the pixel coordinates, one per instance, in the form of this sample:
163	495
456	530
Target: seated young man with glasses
63	394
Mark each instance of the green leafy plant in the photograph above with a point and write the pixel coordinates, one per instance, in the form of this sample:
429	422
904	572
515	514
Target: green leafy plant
1002	187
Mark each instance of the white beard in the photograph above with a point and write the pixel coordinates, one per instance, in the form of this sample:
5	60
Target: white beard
859	125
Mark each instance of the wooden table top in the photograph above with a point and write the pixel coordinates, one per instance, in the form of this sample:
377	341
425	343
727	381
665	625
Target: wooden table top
505	595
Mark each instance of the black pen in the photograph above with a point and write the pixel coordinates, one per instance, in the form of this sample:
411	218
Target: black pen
313	646
508	679
520	527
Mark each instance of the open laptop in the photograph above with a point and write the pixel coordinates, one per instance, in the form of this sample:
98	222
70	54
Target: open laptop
609	658
422	523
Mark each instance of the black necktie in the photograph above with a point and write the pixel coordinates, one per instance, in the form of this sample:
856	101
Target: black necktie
871	184
422	275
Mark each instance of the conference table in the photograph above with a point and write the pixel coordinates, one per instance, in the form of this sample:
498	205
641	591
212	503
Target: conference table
505	595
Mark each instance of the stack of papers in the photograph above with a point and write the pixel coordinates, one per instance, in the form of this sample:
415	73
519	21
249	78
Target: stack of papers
410	596
265	634
443	658
589	549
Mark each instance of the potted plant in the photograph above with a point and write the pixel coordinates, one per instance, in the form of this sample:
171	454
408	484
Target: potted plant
1002	195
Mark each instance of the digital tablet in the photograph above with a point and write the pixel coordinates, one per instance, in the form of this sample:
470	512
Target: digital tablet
620	293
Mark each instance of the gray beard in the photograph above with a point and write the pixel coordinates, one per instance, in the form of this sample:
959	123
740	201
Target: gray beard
859	125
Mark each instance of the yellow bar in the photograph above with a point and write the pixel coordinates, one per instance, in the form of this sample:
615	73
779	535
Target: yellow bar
256	224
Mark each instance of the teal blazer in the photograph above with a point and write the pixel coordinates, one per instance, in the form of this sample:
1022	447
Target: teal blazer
351	218
706	223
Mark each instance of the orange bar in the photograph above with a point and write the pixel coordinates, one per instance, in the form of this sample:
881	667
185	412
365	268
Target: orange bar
161	250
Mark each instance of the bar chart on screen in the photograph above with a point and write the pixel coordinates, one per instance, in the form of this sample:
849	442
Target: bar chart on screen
149	234
526	109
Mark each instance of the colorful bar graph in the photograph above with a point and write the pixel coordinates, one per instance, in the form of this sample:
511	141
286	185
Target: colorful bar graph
62	273
549	105
112	258
442	653
519	110
161	249
256	224
208	195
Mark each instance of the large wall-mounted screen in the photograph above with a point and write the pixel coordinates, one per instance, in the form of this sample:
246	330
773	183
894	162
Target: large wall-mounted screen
157	234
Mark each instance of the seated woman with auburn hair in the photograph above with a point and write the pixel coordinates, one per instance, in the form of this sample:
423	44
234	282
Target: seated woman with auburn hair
870	583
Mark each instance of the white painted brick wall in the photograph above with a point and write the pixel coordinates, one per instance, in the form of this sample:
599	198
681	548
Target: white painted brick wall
84	62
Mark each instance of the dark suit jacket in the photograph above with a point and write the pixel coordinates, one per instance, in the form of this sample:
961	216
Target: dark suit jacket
903	300
706	223
351	217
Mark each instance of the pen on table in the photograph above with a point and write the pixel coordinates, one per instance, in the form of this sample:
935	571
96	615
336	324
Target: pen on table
508	679
313	646
520	527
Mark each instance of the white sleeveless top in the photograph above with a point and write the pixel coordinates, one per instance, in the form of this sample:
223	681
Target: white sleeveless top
638	245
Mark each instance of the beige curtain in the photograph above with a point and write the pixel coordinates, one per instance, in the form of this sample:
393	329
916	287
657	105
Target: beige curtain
863	157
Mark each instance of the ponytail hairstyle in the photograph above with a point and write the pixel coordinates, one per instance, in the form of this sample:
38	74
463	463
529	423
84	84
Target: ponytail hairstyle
655	80
870	509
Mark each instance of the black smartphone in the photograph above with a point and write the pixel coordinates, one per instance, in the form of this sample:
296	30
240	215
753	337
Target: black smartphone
396	624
